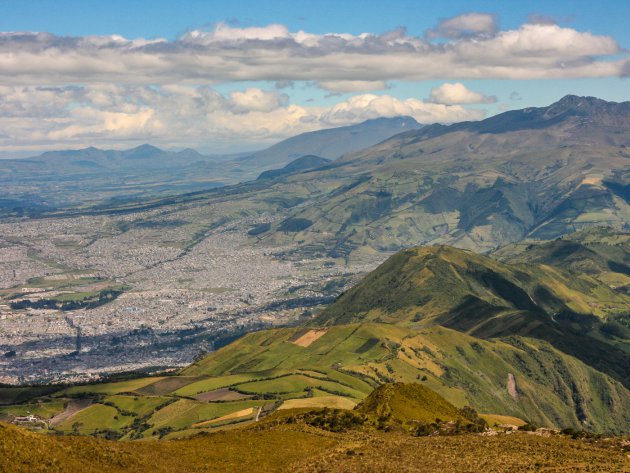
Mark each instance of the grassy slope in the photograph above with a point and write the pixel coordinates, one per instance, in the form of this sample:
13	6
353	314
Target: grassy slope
299	448
486	298
425	282
403	403
554	388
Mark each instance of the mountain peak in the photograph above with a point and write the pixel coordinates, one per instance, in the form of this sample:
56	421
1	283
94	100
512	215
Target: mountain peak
578	104
142	152
145	147
403	120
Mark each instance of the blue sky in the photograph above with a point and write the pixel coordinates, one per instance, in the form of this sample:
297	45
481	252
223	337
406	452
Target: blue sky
169	19
221	76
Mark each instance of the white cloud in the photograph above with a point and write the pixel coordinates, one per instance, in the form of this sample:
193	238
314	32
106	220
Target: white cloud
458	93
225	33
363	107
257	100
341	86
175	115
463	26
97	90
273	53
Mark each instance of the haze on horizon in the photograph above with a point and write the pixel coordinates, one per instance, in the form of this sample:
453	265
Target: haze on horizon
235	78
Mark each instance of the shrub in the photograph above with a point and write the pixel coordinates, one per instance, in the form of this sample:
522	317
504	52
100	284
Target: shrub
528	427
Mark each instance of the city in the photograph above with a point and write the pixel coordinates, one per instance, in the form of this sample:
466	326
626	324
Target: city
178	299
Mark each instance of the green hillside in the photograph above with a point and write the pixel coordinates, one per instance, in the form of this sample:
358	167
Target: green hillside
527	340
602	253
485	298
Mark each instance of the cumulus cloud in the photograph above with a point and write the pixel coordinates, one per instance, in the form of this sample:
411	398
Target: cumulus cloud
341	86
257	100
473	49
97	90
37	118
366	106
465	26
458	93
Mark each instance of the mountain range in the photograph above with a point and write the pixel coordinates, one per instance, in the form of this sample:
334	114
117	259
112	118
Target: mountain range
532	173
331	143
90	176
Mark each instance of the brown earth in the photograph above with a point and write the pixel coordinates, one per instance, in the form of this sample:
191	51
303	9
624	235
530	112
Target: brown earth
309	337
72	408
223	394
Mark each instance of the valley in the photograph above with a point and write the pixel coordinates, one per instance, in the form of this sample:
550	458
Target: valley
314	237
193	269
527	340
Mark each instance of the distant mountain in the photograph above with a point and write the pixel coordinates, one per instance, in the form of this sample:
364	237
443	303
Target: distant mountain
531	173
304	163
93	159
332	143
74	178
93	176
536	173
574	114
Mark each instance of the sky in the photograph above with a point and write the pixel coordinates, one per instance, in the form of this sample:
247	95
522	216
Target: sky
226	77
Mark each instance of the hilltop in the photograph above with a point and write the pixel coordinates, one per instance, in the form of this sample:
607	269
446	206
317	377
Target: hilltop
480	296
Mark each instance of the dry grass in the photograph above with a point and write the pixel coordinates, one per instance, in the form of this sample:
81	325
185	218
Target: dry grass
333	402
466	453
223	394
297	448
234	415
496	419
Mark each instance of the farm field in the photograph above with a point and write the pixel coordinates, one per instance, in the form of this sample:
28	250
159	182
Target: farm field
307	439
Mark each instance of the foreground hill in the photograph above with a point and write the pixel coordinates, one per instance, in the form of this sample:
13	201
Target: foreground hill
388	432
525	340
